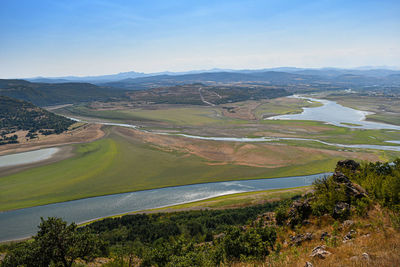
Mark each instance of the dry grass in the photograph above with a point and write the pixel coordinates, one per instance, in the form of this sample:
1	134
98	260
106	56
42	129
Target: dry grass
375	236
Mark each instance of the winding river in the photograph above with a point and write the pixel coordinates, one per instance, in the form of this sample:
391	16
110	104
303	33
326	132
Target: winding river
23	223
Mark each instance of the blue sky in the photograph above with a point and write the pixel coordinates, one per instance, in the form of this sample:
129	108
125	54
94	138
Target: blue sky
92	37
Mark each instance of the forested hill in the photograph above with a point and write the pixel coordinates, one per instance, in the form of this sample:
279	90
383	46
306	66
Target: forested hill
16	115
45	94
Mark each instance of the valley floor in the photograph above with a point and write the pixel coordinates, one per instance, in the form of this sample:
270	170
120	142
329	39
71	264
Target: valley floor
111	159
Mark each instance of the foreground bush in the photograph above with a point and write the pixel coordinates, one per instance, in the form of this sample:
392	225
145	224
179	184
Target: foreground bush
56	244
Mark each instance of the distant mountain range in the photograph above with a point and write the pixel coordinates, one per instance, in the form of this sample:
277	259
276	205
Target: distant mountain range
323	72
63	90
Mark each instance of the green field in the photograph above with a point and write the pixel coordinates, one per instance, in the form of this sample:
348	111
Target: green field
178	116
116	164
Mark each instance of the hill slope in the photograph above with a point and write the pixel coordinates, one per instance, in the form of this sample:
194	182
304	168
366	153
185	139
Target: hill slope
199	94
43	94
17	115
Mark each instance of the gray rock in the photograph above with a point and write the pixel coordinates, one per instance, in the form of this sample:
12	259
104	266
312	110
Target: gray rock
308	264
298	239
352	189
340	178
320	252
349	235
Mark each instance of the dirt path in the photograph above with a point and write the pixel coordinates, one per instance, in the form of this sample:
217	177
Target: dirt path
204	101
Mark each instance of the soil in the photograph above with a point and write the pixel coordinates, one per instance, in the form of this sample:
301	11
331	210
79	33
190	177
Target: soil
83	134
249	154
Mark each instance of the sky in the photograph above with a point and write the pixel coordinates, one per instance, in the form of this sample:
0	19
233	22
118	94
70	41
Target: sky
95	37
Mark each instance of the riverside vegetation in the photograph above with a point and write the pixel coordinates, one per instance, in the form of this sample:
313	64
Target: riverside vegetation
350	218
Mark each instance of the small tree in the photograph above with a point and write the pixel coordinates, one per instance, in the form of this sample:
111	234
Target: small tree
55	243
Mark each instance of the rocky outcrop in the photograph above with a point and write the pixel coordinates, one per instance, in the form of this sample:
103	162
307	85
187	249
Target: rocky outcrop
320	252
352	189
298	239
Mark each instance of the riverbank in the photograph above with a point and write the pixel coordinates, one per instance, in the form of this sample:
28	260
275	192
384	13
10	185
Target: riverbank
21	223
227	201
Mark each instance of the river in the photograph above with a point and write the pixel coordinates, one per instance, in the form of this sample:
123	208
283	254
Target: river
22	223
335	114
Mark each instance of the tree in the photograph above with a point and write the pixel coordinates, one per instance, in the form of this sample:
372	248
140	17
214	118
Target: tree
55	243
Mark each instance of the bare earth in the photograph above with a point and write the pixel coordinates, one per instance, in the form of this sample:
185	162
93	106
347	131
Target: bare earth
257	155
83	134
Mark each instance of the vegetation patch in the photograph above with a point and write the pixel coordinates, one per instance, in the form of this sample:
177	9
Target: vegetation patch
16	115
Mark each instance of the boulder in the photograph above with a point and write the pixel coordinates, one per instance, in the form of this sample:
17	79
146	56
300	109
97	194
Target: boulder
320	252
350	235
308	264
298	239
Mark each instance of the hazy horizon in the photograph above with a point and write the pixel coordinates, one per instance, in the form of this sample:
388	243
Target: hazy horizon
393	68
101	37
